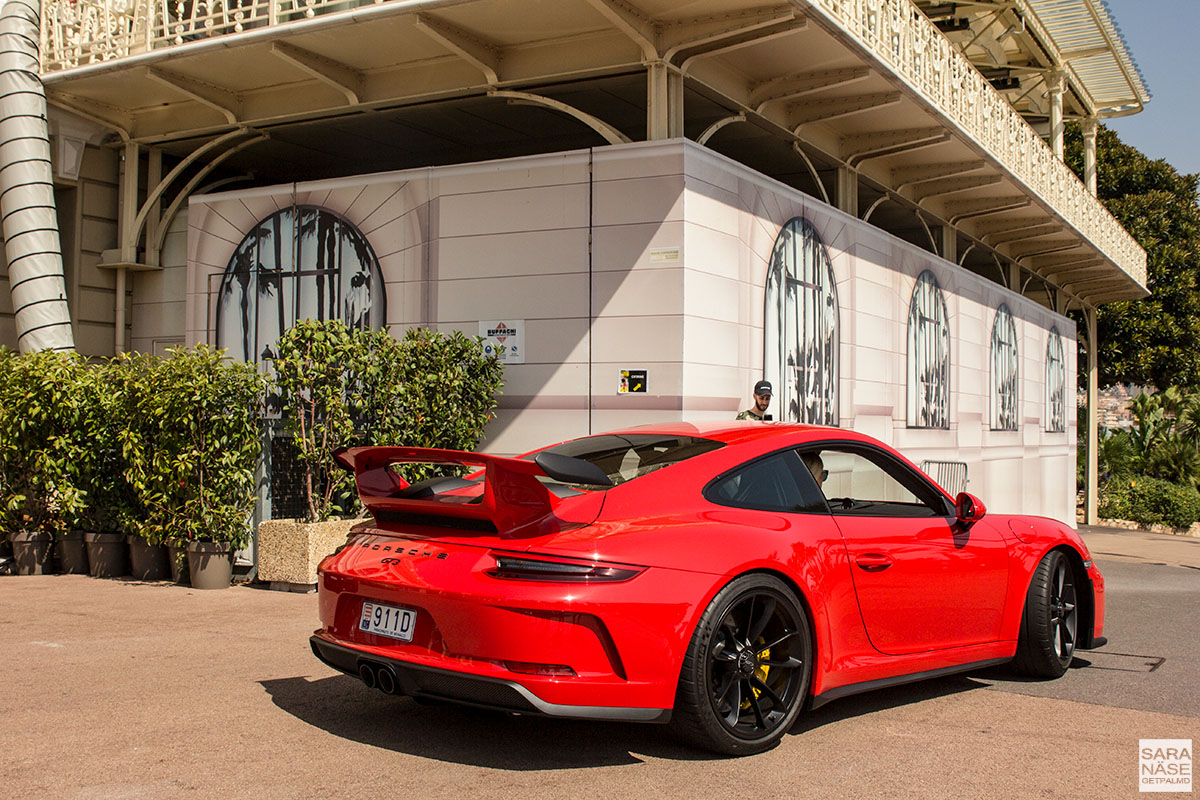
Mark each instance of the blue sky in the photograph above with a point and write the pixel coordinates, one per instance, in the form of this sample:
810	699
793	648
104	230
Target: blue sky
1161	36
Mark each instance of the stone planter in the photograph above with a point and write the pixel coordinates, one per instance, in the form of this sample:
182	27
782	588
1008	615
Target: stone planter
177	560
210	564
289	551
33	551
148	562
108	555
72	553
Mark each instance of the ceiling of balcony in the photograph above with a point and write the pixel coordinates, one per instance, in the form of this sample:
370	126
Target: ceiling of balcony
401	84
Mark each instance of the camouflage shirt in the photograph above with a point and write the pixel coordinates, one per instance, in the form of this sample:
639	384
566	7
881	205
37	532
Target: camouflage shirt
750	413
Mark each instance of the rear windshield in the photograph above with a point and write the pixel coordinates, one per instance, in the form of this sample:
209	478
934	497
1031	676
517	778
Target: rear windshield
627	456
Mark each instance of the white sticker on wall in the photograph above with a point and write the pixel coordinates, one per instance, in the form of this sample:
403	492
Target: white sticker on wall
505	339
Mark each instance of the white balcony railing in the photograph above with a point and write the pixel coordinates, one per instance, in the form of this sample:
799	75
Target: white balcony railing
79	32
901	36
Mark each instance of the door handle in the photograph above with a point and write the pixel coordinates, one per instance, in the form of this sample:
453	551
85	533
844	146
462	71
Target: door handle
873	562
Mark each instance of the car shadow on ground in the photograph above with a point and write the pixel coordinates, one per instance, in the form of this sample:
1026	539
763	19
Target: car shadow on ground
343	707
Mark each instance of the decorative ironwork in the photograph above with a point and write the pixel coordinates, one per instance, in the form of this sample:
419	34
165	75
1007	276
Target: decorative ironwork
800	326
897	33
300	263
928	356
1005	371
1056	384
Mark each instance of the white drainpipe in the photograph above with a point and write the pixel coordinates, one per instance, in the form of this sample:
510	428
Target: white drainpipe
30	224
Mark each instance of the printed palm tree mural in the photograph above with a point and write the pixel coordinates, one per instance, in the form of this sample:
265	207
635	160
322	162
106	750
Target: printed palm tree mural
1056	384
800	326
303	262
1004	371
928	356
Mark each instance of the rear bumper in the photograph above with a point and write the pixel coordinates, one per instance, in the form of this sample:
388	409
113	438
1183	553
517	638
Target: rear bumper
475	690
1091	637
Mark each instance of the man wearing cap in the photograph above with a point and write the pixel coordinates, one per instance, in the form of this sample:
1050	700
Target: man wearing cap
762	399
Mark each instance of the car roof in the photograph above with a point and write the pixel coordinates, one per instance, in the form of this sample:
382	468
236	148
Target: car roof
740	431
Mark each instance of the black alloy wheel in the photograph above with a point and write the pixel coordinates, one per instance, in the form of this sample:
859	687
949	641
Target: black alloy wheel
747	669
1050	624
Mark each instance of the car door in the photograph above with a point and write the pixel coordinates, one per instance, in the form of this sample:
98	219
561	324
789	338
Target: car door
924	582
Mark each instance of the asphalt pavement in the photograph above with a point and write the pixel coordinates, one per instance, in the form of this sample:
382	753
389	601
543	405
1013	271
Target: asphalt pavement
121	689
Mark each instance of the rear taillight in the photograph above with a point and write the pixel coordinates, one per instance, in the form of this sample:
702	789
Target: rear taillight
524	568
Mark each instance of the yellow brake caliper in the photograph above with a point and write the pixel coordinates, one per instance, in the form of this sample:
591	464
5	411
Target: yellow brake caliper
760	673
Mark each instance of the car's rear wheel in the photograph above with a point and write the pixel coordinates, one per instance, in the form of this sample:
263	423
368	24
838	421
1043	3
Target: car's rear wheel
747	669
1050	622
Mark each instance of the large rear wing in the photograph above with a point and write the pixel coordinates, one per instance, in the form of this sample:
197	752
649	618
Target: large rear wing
514	501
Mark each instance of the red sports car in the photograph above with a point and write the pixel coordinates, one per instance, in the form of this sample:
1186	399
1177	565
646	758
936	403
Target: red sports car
719	576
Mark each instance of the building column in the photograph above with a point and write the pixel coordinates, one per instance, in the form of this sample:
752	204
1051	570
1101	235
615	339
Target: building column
664	102
128	213
1092	471
1054	91
1090	127
846	191
949	243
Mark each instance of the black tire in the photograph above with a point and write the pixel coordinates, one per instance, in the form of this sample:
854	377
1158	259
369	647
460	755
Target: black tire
747	670
1050	623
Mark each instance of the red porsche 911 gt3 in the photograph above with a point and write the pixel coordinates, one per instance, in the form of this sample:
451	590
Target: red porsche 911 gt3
719	576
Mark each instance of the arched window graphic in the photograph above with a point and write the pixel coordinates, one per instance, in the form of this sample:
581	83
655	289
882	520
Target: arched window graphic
1004	371
300	263
928	356
800	326
1056	384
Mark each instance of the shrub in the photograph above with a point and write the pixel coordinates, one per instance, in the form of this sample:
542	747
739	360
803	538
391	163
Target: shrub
1150	500
41	489
192	443
341	387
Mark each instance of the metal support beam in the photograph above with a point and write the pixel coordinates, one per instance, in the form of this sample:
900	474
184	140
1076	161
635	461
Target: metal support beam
1092	470
792	86
948	186
907	176
227	103
801	114
348	81
698	36
664	102
846	191
631	23
716	126
483	56
126	240
949	243
1036	249
608	132
685	55
973	209
856	149
1055	81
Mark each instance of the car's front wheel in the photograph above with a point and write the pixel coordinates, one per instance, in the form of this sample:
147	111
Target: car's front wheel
1049	625
747	669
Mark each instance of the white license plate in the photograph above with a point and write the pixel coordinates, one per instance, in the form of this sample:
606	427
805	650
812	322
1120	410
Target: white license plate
391	621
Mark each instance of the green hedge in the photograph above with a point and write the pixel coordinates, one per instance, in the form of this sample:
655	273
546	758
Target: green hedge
1149	501
167	448
340	387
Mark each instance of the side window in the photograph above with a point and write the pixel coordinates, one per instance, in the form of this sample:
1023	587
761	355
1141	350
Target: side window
778	482
867	483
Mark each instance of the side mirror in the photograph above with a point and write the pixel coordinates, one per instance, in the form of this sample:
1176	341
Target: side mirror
968	508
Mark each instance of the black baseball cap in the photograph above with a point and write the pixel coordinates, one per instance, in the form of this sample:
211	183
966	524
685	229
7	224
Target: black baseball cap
763	387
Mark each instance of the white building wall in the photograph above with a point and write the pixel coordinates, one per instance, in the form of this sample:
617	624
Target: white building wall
665	247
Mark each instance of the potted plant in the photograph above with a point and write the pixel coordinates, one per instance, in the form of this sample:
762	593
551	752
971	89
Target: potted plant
191	456
40	493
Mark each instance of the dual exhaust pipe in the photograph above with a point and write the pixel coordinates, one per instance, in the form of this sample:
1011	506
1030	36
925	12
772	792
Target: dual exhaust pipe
378	676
